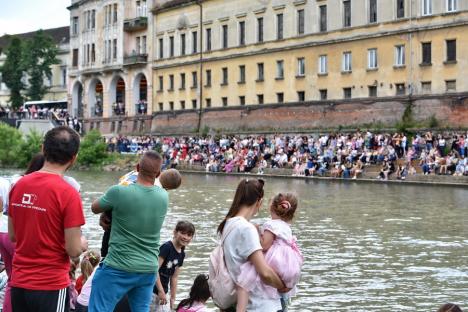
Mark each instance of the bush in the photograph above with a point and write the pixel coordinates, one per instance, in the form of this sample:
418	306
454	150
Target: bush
92	149
433	122
10	140
29	147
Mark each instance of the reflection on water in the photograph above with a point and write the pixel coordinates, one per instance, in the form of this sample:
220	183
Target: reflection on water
367	247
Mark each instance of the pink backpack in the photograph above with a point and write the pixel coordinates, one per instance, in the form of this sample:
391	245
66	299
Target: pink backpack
222	287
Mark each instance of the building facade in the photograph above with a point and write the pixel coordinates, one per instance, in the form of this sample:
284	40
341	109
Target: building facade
110	76
215	57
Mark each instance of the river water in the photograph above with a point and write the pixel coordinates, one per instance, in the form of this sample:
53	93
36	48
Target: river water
367	247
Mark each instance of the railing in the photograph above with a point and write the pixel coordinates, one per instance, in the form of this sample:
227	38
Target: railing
134	24
135	59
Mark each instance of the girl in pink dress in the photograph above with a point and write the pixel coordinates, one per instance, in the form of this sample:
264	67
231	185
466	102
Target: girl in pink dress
281	253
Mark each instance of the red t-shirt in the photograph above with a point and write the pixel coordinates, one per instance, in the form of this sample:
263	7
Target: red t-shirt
42	205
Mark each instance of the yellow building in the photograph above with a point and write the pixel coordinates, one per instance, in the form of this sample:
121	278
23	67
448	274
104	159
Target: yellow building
257	52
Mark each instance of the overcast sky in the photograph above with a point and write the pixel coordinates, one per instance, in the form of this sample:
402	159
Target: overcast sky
20	16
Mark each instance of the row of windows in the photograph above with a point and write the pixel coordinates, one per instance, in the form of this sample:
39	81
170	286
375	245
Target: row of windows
372	64
400	89
426	5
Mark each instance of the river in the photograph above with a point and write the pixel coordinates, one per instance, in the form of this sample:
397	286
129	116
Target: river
367	247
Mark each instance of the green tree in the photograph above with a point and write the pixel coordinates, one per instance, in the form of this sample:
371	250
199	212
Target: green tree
12	72
29	146
10	140
92	149
40	54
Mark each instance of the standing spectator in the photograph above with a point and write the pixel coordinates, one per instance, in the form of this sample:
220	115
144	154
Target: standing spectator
45	219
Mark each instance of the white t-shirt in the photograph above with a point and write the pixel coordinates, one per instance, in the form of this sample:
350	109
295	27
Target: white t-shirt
240	243
83	297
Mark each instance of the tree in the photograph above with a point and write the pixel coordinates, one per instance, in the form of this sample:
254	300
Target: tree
40	53
12	72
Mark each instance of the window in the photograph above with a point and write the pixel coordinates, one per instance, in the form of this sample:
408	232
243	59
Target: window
280	97
450	85
347	13
208	39
372	58
208	78
260	29
347	60
194	80
372	11
451	50
182	44
75	58
280	69
182	81
301	96
400	8
242	33
242	74
323	94
372	91
224	101
260	98
182	104
171	82
400	55
242	100
64	76
260	72
300	22
301	66
323	17
426	6
161	48
225	36
161	106
171	106
426	48
279	26
137	44
452	5
426	87
194	42
225	76
171	46
93	19
400	88
208	102
143	45
75	25
93	53
194	104
346	93
114	55
322	64
161	83
115	13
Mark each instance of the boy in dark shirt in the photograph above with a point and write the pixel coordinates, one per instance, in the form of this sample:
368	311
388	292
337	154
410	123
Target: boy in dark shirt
171	258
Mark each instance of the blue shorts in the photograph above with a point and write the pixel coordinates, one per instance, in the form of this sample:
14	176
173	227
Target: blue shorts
110	285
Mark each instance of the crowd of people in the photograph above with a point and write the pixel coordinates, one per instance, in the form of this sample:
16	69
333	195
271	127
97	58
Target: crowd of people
33	112
345	155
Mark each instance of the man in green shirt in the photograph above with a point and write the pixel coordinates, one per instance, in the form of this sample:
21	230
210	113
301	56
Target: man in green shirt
138	212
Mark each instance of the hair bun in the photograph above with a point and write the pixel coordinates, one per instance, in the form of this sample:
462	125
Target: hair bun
286	205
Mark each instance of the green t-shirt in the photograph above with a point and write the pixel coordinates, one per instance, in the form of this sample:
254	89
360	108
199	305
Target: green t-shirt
138	214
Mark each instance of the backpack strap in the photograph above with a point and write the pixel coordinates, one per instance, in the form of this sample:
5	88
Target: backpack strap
226	232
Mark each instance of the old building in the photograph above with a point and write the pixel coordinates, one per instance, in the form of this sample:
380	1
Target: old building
260	64
110	76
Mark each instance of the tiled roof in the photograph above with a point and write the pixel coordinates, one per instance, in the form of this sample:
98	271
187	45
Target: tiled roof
59	35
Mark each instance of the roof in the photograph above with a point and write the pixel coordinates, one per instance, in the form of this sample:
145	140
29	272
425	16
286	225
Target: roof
170	4
59	35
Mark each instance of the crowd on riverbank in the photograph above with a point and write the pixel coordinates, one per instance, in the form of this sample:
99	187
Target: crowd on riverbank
344	155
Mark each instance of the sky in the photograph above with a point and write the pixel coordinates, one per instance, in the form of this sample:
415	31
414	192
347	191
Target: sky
20	16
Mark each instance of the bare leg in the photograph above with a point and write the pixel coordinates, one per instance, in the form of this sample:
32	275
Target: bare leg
242	299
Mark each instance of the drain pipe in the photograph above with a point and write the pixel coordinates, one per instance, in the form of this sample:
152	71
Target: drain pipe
200	85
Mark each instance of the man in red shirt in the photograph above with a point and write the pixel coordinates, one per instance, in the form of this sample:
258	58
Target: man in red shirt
45	219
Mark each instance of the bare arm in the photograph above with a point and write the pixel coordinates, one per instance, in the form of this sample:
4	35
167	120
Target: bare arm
266	273
11	230
161	293
267	239
73	243
174	279
95	207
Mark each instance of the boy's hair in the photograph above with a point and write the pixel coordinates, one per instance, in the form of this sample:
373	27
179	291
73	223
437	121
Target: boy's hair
284	205
185	227
170	179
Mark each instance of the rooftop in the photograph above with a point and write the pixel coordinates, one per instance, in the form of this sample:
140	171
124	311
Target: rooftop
59	35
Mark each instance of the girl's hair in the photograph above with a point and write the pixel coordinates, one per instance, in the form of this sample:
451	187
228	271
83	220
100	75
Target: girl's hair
185	227
284	205
36	163
449	307
90	261
248	192
200	292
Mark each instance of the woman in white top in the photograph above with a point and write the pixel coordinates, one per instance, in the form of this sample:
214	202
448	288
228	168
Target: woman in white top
243	244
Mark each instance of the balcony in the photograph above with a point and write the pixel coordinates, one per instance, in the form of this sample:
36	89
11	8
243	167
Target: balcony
135	59
135	24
